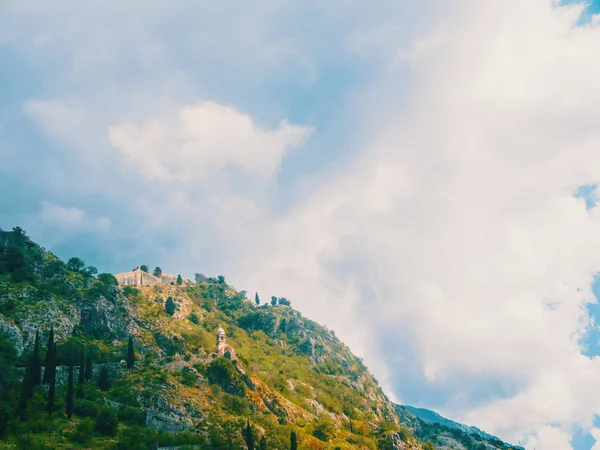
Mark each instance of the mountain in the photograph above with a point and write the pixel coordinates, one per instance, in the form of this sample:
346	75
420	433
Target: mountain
167	362
444	433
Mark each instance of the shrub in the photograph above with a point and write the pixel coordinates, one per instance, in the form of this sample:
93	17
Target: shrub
221	371
188	379
106	422
324	430
85	408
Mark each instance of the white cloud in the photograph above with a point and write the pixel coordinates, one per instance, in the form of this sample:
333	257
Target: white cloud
454	236
71	217
61	119
203	138
476	252
595	432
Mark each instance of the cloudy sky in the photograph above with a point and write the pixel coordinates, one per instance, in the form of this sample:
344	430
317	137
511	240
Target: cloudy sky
418	175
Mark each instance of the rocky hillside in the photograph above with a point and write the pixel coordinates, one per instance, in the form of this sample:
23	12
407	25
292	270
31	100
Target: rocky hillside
153	374
446	434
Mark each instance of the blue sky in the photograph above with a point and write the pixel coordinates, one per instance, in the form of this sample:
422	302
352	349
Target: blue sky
418	176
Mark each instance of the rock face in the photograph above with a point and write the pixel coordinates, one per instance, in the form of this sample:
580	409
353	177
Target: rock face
137	278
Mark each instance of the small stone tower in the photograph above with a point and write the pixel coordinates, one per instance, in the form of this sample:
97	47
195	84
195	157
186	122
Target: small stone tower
220	337
223	348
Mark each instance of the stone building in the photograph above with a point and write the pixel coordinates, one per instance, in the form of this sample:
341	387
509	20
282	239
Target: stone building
137	278
223	348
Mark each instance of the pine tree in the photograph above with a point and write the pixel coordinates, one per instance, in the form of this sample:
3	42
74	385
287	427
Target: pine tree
256	299
273	300
81	379
69	406
263	443
104	379
179	280
130	354
88	368
36	363
50	357
248	436
293	441
157	272
170	306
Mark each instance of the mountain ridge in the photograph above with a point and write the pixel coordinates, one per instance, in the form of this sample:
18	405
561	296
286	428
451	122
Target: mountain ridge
285	373
209	364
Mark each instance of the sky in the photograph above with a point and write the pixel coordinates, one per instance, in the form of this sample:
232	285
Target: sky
418	176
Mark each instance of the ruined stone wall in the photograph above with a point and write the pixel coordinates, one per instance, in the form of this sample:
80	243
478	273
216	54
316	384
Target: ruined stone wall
137	278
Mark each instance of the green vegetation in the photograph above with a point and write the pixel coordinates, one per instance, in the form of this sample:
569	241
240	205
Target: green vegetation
121	370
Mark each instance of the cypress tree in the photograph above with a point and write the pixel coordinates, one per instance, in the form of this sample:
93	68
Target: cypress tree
25	390
263	443
50	357
130	354
51	394
88	368
170	306
81	379
36	364
293	441
179	280
104	379
69	406
249	437
256	299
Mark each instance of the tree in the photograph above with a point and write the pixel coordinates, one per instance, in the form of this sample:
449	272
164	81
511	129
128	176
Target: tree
51	394
157	272
88	368
36	363
81	379
50	358
221	279
284	301
179	280
263	443
25	393
293	441
106	422
19	231
130	354
273	300
69	405
108	278
144	268
256	298
75	264
90	271
104	379
248	436
170	307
